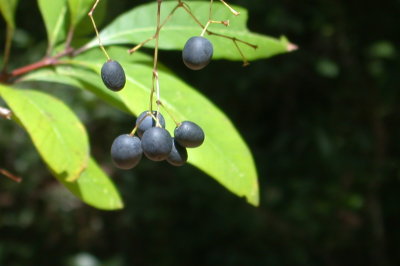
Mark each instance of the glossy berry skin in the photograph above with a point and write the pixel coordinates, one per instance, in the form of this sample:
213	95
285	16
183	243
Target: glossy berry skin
156	143
113	75
197	53
178	155
126	151
189	135
148	122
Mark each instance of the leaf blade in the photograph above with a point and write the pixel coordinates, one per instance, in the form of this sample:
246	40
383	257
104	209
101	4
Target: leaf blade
7	9
53	13
78	9
95	188
56	132
138	24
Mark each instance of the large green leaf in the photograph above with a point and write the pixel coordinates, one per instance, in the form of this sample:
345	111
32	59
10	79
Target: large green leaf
53	13
224	154
78	9
7	9
138	24
56	132
95	188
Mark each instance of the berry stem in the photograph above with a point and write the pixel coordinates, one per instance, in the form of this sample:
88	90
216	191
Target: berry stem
140	45
159	102
90	14
7	48
234	12
155	80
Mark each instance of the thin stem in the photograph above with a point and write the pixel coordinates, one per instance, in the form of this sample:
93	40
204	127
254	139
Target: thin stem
205	28
10	175
159	103
245	61
155	81
7	48
230	8
47	61
70	36
90	14
140	45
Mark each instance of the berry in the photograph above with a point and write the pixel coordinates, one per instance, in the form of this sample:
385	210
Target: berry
148	122
197	53
156	143
126	151
113	75
189	135
178	155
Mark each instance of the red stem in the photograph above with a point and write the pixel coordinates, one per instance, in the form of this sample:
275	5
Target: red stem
47	61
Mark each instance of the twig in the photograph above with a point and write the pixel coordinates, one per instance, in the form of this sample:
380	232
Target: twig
10	175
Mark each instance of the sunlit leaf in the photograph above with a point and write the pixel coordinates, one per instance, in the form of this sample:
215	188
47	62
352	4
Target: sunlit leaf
95	188
78	9
7	9
53	13
56	132
224	154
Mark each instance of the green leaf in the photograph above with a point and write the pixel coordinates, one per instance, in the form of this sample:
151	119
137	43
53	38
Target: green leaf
7	9
79	78
224	156
138	24
95	188
53	13
79	9
56	132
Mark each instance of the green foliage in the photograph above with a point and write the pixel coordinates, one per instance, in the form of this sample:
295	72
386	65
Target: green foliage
137	25
54	13
78	10
7	9
60	137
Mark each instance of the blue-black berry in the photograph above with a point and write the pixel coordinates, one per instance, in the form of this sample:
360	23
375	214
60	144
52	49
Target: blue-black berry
113	75
126	151
146	121
156	143
197	53
178	155
189	134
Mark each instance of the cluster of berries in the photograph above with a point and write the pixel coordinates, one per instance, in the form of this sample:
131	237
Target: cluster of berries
153	139
196	54
155	142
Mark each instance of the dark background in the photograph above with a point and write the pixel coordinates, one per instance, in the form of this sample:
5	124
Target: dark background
323	125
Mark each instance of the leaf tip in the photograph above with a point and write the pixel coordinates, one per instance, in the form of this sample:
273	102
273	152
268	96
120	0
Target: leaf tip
292	47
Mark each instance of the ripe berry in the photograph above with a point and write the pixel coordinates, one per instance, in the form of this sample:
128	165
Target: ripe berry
197	52
126	151
156	143
189	135
147	122
113	75
178	155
